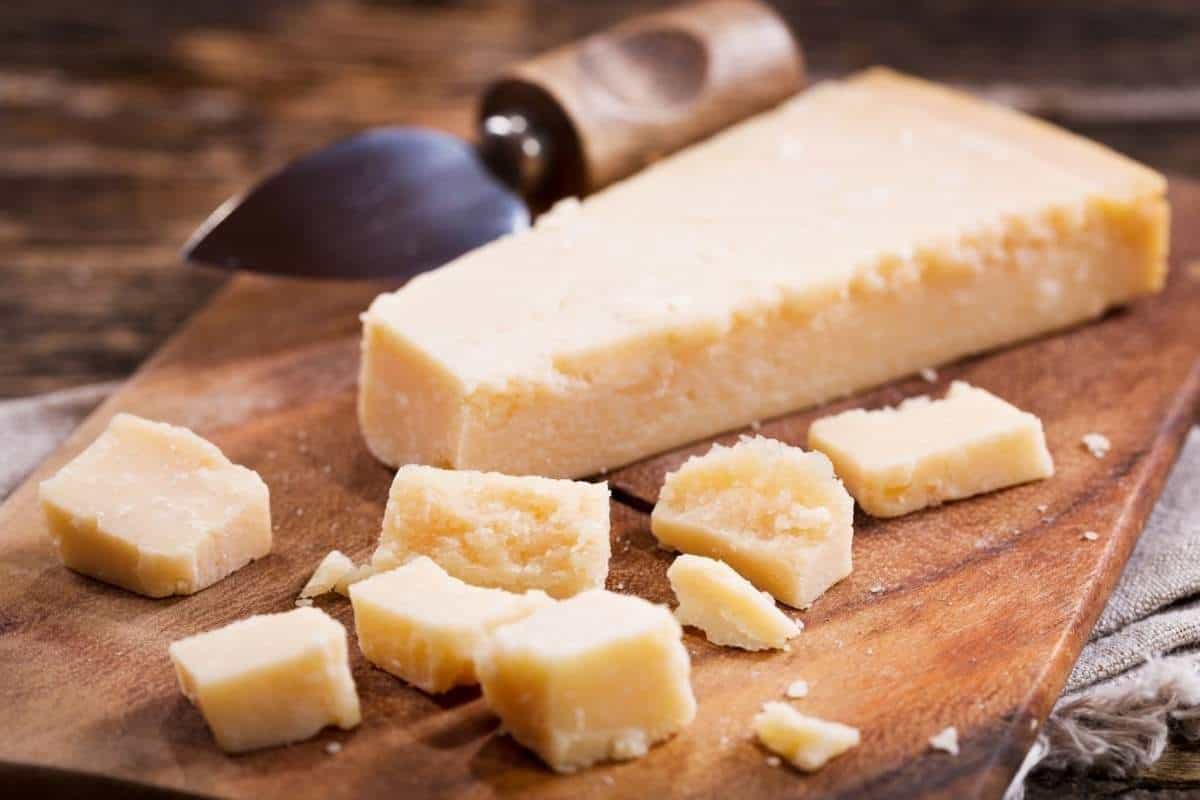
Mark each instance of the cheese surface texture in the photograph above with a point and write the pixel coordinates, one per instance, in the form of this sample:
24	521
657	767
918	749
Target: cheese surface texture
808	743
774	513
156	509
599	676
422	625
925	452
726	606
863	230
270	679
499	531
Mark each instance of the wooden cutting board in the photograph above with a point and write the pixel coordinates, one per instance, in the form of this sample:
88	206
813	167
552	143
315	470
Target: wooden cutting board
969	615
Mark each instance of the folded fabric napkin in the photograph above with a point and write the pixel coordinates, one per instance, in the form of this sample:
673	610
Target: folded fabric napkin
1136	679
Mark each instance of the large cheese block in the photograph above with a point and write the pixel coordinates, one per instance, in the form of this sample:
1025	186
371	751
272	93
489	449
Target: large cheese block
863	230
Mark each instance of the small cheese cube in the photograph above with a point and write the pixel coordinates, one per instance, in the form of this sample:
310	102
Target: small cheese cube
774	513
806	742
270	679
925	452
506	532
156	509
598	676
422	625
334	568
726	606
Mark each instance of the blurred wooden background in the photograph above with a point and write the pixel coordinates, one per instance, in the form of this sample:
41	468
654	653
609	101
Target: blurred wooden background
124	122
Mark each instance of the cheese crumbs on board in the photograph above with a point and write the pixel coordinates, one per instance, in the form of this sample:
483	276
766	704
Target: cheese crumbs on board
156	509
1097	444
807	743
726	606
945	740
329	573
774	513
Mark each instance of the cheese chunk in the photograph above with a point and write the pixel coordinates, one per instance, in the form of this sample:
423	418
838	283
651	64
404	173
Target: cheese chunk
422	625
501	531
595	677
726	606
925	452
774	513
862	231
332	572
269	679
156	509
808	743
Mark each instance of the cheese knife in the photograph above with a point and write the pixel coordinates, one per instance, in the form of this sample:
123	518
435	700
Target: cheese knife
396	201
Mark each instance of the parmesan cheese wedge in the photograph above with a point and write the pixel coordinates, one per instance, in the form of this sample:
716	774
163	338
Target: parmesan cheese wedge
865	230
726	606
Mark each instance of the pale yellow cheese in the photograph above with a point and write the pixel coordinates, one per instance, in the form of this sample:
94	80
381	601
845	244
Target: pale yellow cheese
864	230
925	452
599	676
270	679
808	743
156	509
726	606
774	513
332	572
422	625
501	531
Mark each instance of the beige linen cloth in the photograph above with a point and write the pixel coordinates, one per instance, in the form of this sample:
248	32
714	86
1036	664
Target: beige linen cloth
1137	678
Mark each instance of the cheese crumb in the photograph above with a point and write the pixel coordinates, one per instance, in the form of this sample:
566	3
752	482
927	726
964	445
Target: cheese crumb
1043	508
333	748
929	375
774	761
876	589
946	741
806	742
303	602
334	568
797	689
1091	536
1097	444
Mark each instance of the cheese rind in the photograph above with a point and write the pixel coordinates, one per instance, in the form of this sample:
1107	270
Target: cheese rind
269	679
926	452
708	292
726	606
156	509
423	625
599	676
808	743
499	531
332	572
775	514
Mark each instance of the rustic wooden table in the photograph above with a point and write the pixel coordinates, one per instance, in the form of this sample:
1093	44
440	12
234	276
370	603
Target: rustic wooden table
122	124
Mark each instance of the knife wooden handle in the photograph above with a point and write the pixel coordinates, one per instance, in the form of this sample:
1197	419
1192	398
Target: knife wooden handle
608	105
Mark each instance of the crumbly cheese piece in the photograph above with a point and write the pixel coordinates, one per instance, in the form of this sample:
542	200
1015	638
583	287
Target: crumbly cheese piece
726	606
945	740
422	625
925	452
269	679
501	531
797	690
1097	444
774	513
334	568
734	282
806	742
156	509
599	676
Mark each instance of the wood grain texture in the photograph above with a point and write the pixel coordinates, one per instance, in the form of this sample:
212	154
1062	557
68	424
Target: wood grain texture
125	122
970	615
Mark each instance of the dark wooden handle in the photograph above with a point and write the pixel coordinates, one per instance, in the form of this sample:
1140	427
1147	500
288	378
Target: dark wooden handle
612	103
